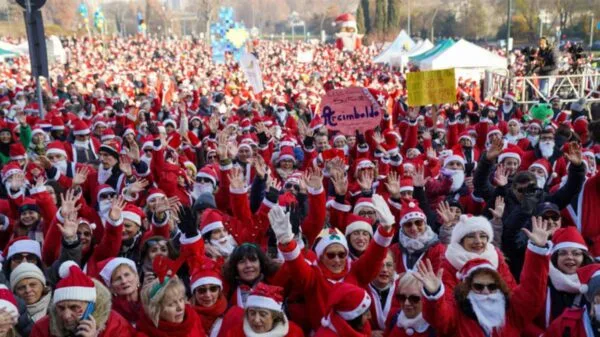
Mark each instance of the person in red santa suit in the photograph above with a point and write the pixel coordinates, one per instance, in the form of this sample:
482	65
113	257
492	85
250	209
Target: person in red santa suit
208	299
263	315
509	108
83	149
333	264
408	321
482	303
72	297
472	238
347	313
416	240
383	291
347	39
582	321
569	255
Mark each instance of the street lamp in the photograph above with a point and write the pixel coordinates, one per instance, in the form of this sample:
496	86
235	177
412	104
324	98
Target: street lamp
592	30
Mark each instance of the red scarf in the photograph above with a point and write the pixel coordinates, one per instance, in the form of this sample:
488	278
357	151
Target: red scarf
129	310
208	315
190	327
331	275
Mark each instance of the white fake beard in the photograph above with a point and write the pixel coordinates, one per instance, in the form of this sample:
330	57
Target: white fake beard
146	159
507	107
458	179
225	246
21	103
541	181
282	115
547	148
104	208
61	166
490	310
512	139
80	144
200	188
533	140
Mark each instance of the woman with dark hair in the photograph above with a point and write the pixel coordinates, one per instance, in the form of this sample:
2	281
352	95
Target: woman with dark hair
483	304
246	267
568	254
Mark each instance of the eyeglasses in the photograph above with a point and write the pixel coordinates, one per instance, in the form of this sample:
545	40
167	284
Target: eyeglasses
366	213
480	286
339	255
107	195
204	290
409	224
289	186
574	253
211	157
553	217
412	299
18	258
152	243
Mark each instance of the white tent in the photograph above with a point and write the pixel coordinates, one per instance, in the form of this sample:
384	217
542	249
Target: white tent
401	44
464	54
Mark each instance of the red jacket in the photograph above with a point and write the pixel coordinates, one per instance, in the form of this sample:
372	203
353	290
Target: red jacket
448	319
190	327
573	319
315	282
113	325
236	319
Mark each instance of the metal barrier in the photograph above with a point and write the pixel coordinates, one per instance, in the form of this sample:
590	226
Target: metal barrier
570	88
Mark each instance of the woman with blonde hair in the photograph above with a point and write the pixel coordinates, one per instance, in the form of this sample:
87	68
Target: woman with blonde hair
408	321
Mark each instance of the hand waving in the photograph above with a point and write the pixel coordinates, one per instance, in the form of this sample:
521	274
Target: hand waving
340	182
81	175
116	208
498	209
540	231
501	176
365	181
236	179
494	151
574	154
393	185
428	278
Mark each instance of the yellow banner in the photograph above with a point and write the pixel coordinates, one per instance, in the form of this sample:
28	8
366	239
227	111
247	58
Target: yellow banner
431	87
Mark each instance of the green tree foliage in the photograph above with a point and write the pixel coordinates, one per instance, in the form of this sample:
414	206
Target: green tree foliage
380	16
360	19
393	12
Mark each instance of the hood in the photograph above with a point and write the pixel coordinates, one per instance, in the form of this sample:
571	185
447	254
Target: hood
101	312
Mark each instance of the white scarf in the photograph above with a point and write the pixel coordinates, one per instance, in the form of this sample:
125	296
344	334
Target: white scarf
419	324
458	178
458	256
225	245
82	144
413	245
564	282
103	174
490	310
513	139
39	309
280	330
61	166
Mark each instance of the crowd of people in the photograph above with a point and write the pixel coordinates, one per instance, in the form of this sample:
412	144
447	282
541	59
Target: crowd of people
156	194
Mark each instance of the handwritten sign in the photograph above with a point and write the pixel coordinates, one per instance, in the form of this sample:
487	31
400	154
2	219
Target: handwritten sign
350	109
251	68
431	87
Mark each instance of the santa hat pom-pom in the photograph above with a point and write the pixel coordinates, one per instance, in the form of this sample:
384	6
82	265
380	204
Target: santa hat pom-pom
411	204
65	268
583	288
554	174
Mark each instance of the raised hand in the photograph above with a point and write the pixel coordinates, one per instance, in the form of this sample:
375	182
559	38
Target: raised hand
574	154
393	185
213	123
501	176
260	166
340	182
69	227
428	278
81	175
260	127
236	178
431	154
495	149
540	231
68	202
232	150
498	209
378	138
133	152
138	186
44	162
40	181
418	176
222	140
116	208
313	178
445	213
365	180
125	165
174	204
280	223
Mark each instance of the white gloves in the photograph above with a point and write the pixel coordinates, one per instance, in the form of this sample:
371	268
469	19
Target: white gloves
386	218
280	223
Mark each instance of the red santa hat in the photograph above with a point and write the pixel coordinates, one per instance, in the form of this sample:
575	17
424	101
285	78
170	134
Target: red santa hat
111	147
133	214
473	265
57	124
455	156
294	178
107	134
74	285
345	20
363	163
266	297
328	237
470	224
362	203
510	152
108	266
17	151
22	244
207	273
411	210
4	101
589	274
171	122
211	219
406	185
8	301
509	96
286	153
155	193
580	126
356	223
80	128
543	164
493	130
287	141
56	148
9	170
208	172
348	301
567	237
535	123
316	123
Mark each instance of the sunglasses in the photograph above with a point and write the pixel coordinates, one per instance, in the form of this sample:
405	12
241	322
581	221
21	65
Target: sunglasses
480	286
204	290
152	243
18	258
289	186
211	157
412	299
366	213
553	217
339	255
84	234
409	224
108	195
203	180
